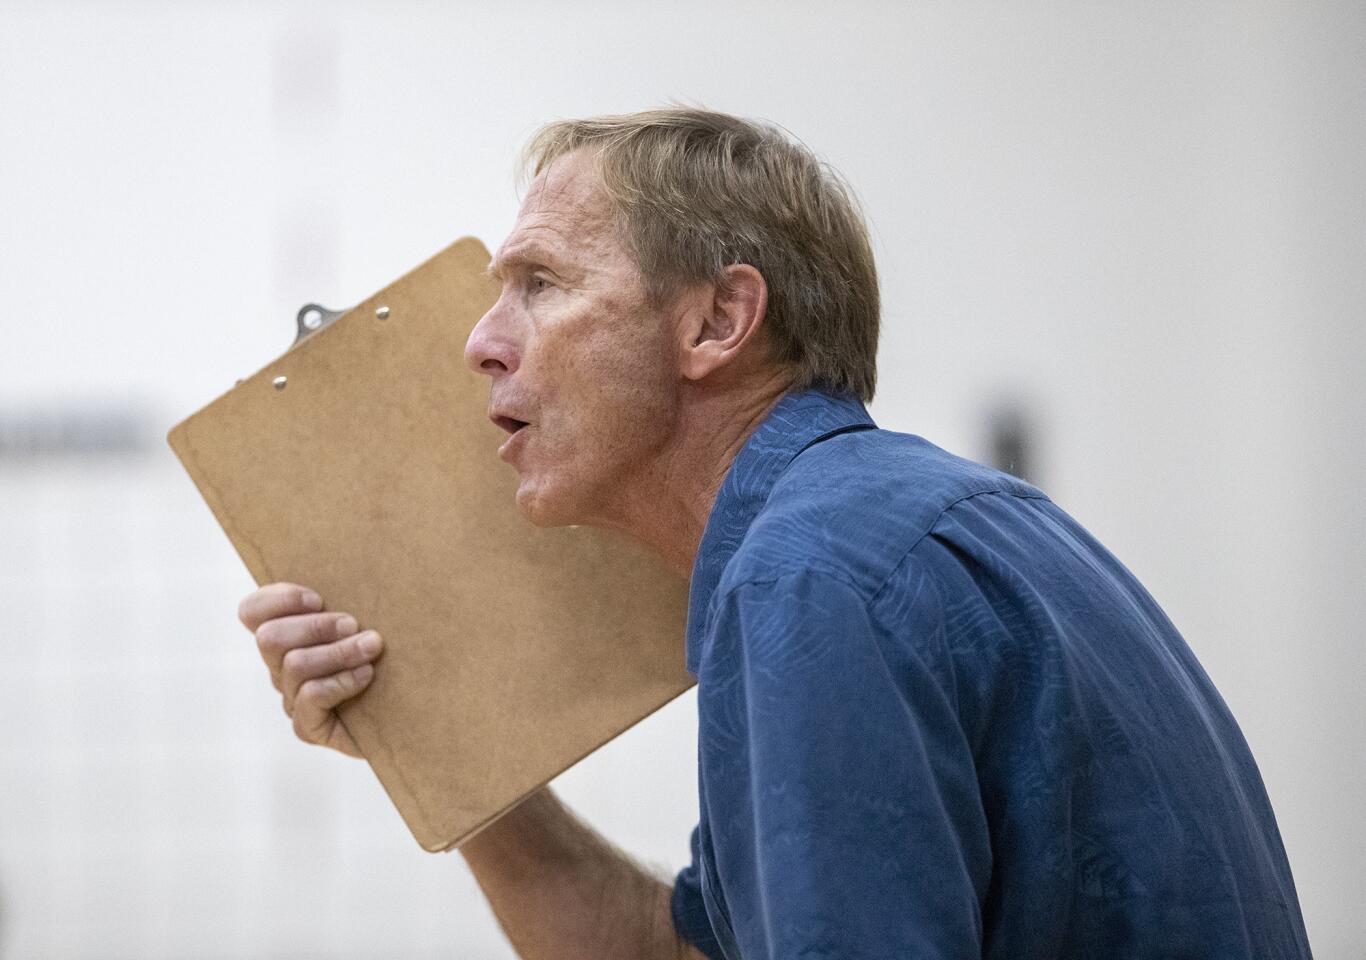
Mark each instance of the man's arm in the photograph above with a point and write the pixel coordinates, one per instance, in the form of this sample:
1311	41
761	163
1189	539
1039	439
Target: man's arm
562	890
559	889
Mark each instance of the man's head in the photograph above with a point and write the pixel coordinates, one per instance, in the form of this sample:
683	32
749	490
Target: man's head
661	262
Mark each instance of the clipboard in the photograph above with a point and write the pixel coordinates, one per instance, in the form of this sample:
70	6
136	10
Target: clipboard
362	463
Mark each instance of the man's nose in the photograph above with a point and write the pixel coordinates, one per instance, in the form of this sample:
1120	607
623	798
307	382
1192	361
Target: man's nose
490	348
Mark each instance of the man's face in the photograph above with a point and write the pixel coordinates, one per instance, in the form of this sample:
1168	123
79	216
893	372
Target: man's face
584	372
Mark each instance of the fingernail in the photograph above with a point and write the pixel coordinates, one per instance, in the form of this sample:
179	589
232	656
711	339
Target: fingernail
370	643
346	626
311	600
363	673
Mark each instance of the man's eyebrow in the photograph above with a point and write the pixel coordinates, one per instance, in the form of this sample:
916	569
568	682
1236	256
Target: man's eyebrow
527	254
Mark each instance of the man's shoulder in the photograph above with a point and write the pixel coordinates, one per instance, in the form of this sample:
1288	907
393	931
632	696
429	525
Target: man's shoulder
854	505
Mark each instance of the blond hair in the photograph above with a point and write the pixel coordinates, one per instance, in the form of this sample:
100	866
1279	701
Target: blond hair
696	191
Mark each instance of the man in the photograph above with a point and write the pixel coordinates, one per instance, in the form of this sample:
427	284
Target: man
936	718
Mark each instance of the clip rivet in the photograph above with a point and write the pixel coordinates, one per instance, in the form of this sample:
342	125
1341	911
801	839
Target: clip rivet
382	313
280	382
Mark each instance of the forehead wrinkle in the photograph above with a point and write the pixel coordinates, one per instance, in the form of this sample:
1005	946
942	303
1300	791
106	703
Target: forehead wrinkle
549	238
569	190
565	217
528	244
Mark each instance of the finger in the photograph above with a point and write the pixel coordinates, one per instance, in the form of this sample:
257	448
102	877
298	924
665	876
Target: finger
333	734
277	637
276	600
303	664
314	718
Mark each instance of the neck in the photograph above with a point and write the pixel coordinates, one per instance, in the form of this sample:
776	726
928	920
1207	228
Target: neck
668	503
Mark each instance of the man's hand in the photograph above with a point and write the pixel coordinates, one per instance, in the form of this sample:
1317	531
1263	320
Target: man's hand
558	888
317	660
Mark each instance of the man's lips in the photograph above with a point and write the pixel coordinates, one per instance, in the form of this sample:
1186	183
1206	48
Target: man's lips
510	424
516	434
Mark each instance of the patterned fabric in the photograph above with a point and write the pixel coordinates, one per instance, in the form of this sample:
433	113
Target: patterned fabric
937	719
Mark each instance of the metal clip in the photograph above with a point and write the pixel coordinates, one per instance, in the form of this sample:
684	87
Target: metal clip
312	318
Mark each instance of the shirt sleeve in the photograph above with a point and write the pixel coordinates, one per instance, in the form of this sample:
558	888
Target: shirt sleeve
690	911
841	794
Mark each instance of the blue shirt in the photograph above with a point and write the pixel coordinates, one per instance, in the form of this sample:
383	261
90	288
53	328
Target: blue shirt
937	719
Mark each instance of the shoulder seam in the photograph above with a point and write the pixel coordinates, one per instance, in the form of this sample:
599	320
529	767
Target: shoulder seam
929	528
837	575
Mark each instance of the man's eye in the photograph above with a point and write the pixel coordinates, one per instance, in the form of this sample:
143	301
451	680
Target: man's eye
540	283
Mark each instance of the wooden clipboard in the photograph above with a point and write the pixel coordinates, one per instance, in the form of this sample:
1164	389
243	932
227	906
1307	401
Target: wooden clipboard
362	463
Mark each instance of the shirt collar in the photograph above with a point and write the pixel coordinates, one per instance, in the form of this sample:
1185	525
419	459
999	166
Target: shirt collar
799	419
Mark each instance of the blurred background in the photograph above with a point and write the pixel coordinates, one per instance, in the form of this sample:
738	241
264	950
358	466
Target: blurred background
1122	249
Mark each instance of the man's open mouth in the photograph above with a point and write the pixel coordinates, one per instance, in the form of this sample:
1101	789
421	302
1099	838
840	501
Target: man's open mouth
509	424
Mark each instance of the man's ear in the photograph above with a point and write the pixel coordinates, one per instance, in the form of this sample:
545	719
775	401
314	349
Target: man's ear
719	327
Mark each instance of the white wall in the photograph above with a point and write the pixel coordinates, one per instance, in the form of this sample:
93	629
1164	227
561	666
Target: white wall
1145	222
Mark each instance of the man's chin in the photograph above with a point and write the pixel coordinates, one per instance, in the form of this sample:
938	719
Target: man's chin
543	508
